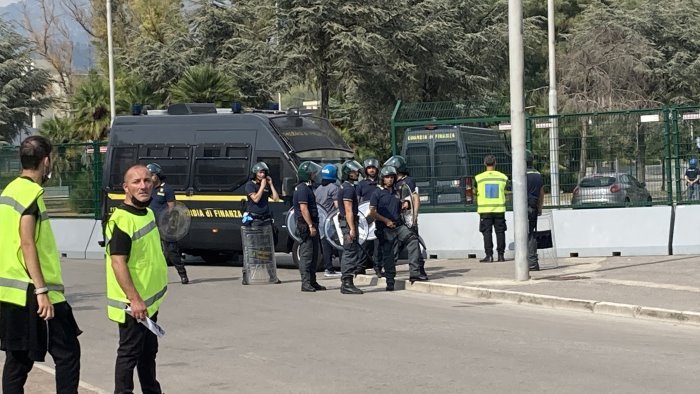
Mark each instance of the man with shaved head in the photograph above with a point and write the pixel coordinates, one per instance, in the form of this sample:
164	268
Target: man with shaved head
137	278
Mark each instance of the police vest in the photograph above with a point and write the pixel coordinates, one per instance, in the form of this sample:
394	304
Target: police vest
491	187
14	276
146	263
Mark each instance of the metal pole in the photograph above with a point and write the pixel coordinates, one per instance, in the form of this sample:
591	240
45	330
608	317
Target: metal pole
554	128
110	60
279	101
517	120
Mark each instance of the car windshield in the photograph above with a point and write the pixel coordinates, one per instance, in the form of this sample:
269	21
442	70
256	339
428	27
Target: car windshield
309	133
598	181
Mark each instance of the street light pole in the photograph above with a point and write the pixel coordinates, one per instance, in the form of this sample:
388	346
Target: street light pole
517	120
554	121
110	61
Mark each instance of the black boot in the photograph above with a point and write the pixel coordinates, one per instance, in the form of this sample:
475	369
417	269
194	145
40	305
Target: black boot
317	287
418	279
487	259
348	287
500	257
306	287
245	278
184	279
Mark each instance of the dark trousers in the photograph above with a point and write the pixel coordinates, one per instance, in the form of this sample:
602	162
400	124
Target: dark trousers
173	256
64	348
353	255
489	222
532	258
327	250
372	248
392	241
137	348
308	250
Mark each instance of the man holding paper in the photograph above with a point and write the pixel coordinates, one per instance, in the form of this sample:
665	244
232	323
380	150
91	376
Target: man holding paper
137	278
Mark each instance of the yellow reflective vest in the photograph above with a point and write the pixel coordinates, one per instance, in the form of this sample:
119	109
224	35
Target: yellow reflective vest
146	263
490	189
19	195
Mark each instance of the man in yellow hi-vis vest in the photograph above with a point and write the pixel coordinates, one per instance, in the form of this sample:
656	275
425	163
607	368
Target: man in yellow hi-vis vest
137	278
491	206
34	315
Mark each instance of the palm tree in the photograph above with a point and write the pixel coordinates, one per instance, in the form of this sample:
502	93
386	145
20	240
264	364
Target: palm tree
91	107
62	132
204	84
134	90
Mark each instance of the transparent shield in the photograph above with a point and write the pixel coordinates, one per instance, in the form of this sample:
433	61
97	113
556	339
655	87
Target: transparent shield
364	210
291	222
259	254
407	212
174	223
331	228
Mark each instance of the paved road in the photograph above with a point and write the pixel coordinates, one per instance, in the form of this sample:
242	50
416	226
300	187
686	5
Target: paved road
226	338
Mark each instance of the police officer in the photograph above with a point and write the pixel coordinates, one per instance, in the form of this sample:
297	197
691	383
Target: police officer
137	278
349	222
692	179
392	233
491	206
535	201
306	213
34	314
404	178
258	191
327	196
164	198
365	189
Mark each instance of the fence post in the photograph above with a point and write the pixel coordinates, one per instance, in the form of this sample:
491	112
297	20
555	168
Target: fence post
675	146
97	177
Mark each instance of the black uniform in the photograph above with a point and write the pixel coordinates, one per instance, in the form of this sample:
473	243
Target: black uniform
308	247
534	186
388	204
351	249
408	181
161	196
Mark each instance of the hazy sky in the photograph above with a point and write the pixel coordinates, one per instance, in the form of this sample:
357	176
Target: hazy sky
6	2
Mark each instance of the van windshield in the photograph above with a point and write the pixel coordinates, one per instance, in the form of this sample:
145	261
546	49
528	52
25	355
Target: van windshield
309	134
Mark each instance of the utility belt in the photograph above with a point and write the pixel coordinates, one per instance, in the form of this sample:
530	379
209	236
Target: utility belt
257	216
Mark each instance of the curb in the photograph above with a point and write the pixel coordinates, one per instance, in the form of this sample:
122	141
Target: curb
554	302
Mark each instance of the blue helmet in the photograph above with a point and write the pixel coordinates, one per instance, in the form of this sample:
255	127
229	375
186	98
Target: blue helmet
693	163
329	172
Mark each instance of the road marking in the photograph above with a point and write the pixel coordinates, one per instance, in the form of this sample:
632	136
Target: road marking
82	384
652	285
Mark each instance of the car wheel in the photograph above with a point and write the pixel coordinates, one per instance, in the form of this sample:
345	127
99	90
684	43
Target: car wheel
318	258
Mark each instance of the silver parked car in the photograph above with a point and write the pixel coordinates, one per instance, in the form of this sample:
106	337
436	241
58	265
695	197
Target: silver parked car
610	188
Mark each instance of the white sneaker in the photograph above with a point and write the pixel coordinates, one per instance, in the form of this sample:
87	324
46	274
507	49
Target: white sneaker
331	274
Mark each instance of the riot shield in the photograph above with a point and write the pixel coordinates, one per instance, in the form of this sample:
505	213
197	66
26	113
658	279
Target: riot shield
259	263
174	223
291	222
409	215
364	210
333	233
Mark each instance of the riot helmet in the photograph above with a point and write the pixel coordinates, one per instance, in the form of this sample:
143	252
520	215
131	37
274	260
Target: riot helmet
348	167
693	163
371	162
156	170
329	172
398	162
309	171
260	166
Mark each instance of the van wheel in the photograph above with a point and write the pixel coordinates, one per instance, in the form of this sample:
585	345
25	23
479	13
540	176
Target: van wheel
318	258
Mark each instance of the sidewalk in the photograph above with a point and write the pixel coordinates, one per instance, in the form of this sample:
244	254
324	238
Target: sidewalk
655	287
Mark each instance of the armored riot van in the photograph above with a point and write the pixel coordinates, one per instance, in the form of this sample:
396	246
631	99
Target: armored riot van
443	160
207	153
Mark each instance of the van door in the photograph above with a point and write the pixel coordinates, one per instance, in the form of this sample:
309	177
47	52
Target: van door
420	167
449	187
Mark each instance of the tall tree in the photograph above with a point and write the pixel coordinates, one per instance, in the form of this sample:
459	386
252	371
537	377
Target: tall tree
204	84
22	87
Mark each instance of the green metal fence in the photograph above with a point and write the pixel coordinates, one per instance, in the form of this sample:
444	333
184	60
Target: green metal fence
623	158
75	184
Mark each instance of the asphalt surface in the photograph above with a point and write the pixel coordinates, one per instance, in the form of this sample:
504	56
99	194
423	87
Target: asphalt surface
223	337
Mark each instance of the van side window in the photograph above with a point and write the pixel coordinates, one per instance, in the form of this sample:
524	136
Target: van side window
174	160
123	157
221	167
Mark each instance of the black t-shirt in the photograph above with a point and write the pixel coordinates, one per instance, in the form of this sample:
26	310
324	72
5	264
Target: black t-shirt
347	193
304	194
691	173
120	243
387	204
160	197
261	207
365	189
32	210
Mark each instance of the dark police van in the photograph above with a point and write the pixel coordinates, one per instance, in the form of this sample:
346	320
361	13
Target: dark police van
207	154
443	161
